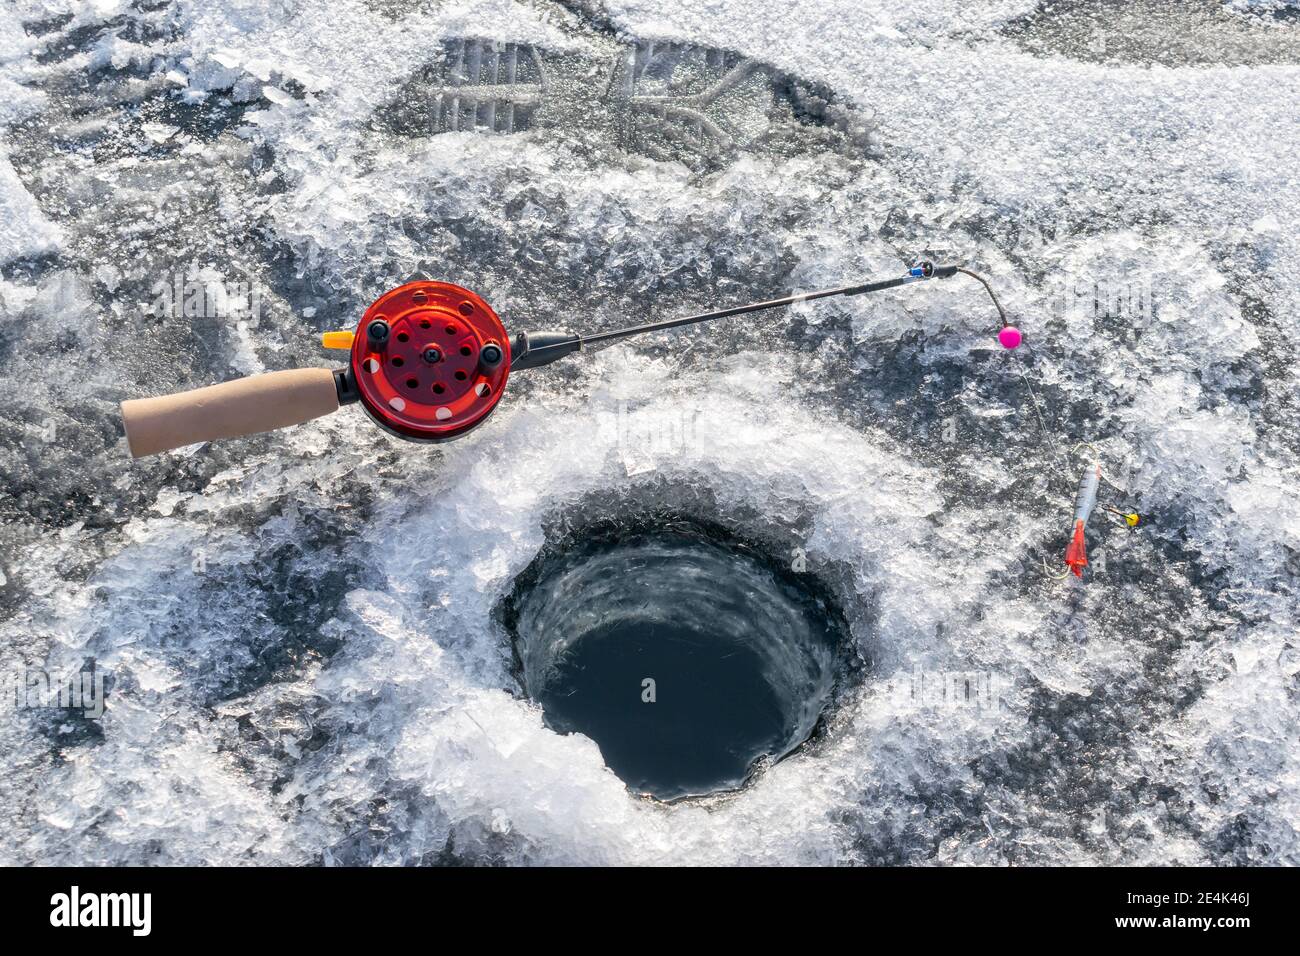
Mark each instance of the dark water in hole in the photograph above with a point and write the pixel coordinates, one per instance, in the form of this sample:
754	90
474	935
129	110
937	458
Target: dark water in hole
713	712
686	658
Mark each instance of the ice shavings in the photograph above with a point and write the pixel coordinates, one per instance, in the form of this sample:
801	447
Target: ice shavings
24	230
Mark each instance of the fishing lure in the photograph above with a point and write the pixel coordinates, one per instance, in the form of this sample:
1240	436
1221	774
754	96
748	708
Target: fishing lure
1085	500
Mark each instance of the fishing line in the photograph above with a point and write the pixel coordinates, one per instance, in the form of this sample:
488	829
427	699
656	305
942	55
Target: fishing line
1061	459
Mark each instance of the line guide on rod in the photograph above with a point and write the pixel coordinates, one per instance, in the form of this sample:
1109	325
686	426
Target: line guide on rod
429	361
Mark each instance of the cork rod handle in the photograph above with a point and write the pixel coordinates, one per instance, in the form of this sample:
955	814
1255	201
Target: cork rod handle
245	406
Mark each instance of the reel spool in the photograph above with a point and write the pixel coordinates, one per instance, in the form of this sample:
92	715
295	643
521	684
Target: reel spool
429	361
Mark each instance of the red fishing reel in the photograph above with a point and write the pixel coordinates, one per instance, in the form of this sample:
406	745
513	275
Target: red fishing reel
429	360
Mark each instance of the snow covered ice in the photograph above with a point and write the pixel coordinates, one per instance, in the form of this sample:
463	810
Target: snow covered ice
303	659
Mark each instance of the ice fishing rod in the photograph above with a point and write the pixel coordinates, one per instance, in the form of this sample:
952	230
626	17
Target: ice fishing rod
429	362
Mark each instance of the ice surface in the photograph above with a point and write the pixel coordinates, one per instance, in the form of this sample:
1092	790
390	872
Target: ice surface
299	628
24	231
